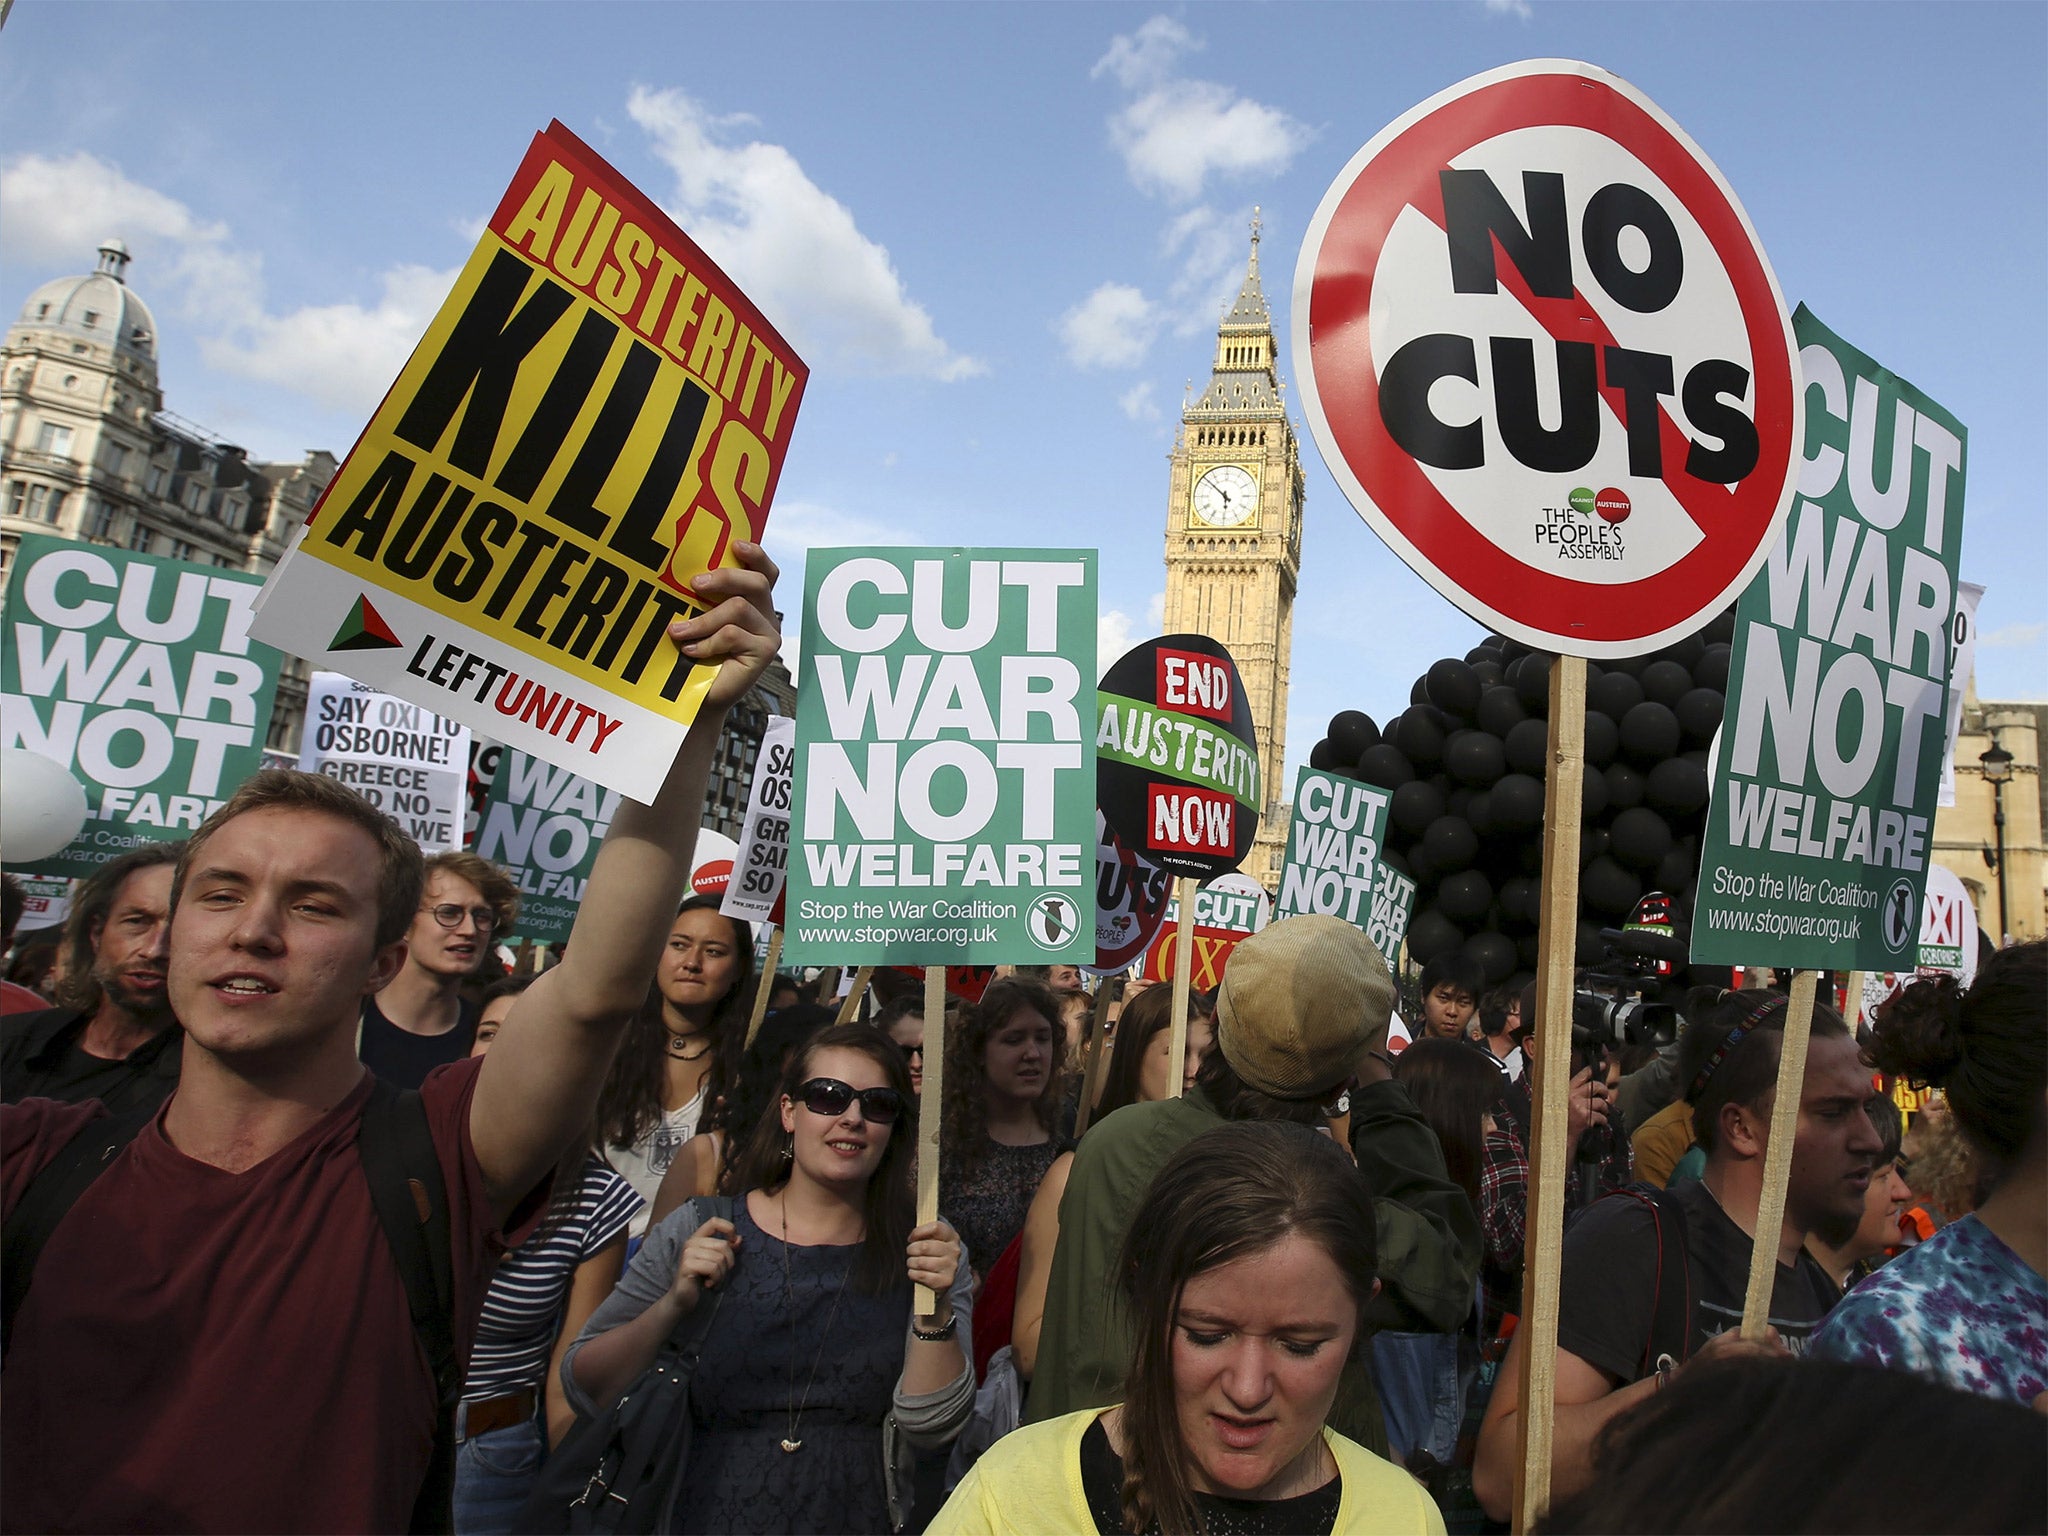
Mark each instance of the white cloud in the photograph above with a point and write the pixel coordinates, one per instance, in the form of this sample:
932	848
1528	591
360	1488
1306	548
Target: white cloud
1112	639
1177	135
1210	247
1111	328
1113	631
794	248
343	355
1137	402
1177	132
1522	10
795	528
2013	634
1145	57
58	208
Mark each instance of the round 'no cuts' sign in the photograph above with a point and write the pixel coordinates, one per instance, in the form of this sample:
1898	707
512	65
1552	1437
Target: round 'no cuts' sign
1545	357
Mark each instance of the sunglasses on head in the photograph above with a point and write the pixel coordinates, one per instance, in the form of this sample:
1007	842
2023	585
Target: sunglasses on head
829	1097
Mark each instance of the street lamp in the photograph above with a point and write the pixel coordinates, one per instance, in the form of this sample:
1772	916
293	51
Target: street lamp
1998	773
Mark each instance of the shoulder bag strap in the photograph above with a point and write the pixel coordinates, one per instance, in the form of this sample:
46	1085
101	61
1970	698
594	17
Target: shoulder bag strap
411	1199
622	1483
1672	1330
49	1198
1671	1283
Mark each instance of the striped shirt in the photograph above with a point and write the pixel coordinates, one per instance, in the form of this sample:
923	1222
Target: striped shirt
523	1309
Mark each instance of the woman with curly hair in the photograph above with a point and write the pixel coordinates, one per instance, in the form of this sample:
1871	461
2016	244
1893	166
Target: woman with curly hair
1969	1307
680	1054
1244	1274
1002	1103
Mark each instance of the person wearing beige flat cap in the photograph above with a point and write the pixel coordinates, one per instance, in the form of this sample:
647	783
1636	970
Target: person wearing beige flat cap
1301	1018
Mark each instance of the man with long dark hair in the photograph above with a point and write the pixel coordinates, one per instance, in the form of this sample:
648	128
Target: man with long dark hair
112	1036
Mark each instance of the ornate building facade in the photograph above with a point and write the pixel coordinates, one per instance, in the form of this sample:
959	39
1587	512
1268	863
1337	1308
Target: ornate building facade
1966	835
88	452
1233	536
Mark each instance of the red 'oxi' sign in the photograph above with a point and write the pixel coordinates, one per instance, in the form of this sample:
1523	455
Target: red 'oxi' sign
1544	355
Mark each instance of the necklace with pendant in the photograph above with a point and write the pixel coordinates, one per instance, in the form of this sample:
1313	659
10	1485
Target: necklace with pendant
790	1442
677	1044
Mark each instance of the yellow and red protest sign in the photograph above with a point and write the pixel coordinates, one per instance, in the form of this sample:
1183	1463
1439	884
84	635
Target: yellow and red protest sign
596	415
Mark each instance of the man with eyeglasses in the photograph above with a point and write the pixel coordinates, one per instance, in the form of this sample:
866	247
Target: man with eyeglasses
421	1019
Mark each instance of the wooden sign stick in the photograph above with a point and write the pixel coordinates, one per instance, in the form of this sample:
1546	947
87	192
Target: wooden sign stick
1550	1086
1852	1001
1098	1058
1770	1206
930	1110
766	984
849	1008
1183	979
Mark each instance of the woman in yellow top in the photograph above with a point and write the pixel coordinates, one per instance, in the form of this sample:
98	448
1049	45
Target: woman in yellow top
1245	1270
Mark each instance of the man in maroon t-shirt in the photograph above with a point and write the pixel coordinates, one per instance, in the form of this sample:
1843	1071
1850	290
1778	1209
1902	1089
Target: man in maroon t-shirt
217	1337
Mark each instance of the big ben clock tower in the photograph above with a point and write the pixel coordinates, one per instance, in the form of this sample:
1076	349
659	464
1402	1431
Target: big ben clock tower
1233	536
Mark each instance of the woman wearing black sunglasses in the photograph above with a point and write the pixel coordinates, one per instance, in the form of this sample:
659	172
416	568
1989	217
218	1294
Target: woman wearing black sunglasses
815	1383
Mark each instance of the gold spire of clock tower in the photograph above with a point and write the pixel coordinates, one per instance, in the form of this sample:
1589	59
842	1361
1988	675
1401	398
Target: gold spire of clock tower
1233	534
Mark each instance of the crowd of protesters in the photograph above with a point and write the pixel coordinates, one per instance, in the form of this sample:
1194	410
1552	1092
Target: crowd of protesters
316	1220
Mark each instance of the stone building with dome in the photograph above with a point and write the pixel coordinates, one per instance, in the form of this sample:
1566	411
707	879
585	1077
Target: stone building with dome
88	452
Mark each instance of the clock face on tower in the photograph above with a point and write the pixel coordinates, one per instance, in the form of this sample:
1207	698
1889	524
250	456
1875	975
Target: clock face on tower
1226	497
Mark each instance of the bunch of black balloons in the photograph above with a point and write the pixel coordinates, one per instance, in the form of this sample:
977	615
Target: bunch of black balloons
1467	764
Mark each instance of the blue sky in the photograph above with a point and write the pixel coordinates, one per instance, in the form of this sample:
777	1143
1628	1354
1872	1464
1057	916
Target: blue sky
1002	235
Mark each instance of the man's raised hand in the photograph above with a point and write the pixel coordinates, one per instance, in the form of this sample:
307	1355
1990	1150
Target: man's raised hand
737	632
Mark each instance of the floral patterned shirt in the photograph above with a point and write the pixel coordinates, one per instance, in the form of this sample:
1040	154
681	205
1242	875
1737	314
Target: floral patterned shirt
1961	1309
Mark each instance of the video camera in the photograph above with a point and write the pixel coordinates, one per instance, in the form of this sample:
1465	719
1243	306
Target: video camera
1628	999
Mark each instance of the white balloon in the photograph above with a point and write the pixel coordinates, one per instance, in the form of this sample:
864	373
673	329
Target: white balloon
42	807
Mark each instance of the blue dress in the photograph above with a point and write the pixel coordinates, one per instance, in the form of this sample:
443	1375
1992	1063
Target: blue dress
739	1479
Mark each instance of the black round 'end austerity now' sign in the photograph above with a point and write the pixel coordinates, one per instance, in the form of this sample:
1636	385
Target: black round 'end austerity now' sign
1177	776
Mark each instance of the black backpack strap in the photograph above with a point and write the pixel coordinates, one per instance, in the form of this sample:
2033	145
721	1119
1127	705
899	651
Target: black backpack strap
1671	1282
49	1198
1672	1325
411	1199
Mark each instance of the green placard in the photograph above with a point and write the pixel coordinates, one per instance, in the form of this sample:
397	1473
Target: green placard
543	824
945	759
1817	837
137	674
1334	864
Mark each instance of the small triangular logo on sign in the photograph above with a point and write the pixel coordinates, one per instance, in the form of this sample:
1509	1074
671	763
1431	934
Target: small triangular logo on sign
364	630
